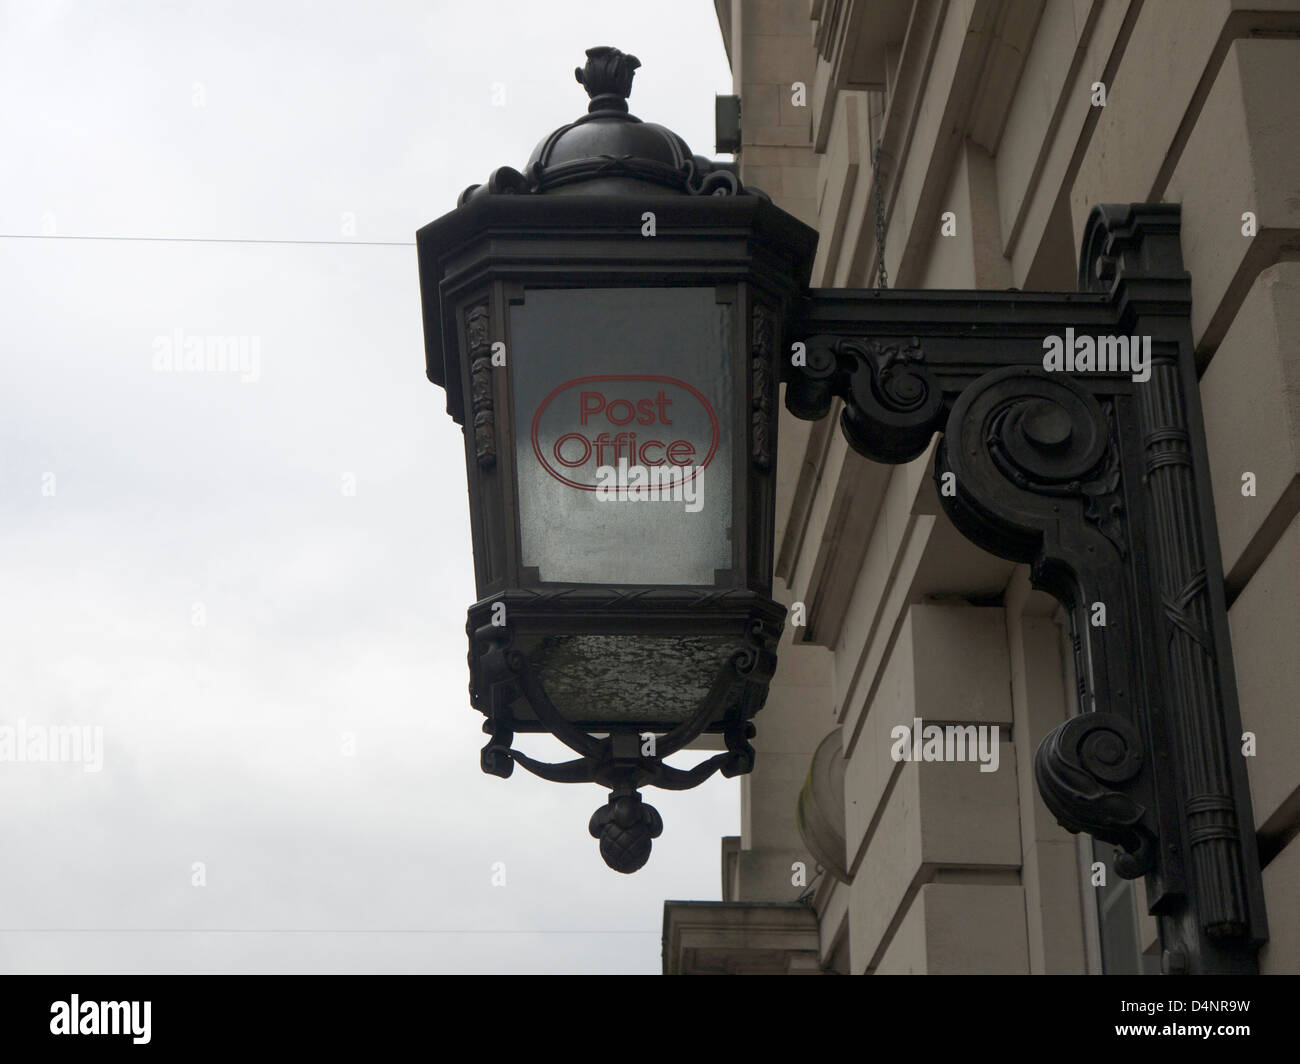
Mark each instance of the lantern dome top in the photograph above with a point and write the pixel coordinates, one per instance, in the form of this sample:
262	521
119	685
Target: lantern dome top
609	150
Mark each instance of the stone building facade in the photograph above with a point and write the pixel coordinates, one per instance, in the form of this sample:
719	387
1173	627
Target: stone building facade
988	109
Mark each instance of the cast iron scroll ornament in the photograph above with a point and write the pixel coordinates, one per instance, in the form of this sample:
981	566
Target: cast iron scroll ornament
1099	481
1077	762
895	401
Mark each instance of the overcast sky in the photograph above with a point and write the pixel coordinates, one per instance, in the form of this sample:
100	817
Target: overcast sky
179	562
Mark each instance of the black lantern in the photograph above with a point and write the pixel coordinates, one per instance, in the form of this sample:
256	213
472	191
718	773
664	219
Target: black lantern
606	324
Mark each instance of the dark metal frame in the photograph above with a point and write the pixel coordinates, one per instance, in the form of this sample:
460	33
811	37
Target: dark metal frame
1102	485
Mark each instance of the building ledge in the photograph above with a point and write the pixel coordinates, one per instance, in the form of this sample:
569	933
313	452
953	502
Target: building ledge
739	938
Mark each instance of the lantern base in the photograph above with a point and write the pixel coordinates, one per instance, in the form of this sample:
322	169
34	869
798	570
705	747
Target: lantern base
624	758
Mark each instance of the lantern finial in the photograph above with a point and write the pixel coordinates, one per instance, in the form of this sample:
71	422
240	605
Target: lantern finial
607	77
625	825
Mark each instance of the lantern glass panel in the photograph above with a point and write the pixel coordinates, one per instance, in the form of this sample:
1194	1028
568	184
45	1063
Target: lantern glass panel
599	680
622	390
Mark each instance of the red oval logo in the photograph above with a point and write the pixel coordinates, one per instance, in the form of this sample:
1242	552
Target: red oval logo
642	419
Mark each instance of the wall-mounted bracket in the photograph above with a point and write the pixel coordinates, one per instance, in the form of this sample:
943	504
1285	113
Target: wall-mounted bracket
1095	473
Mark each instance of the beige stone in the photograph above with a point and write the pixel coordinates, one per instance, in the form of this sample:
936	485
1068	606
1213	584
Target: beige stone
1264	623
1040	701
1242	155
1038	155
1146	100
759	105
721	938
1281	954
1251	400
960	929
970	687
783	59
936	814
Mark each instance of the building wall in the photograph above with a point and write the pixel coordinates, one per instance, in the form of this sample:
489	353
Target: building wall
984	108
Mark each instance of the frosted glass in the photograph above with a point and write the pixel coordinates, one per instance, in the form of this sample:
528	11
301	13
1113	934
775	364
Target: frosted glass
601	678
638	375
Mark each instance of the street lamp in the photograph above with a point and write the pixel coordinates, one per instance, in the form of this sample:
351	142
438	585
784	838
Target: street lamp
615	320
605	324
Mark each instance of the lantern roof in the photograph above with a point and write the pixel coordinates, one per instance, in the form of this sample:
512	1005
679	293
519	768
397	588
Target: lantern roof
582	191
609	150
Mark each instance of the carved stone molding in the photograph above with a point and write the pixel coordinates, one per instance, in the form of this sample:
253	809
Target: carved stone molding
819	811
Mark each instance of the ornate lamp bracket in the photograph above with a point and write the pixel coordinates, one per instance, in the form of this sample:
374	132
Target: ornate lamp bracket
1093	470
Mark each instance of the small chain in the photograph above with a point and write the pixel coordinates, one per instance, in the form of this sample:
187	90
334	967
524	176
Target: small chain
882	278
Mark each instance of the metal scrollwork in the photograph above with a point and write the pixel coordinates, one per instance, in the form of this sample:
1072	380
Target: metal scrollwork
703	178
1042	434
1077	769
625	825
893	404
1029	469
1098	479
